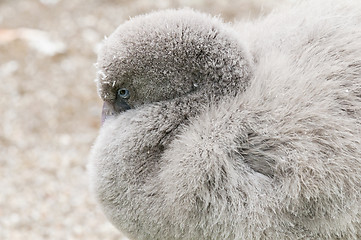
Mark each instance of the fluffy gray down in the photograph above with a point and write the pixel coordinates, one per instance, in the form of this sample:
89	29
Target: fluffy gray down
250	130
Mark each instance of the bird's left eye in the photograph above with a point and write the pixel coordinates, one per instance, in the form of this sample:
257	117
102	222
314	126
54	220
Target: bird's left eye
123	93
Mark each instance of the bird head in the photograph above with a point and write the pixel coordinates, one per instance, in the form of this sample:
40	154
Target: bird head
172	54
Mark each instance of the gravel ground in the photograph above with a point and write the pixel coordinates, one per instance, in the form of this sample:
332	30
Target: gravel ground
50	110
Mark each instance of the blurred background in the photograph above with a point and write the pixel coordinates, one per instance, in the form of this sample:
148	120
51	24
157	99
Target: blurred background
50	111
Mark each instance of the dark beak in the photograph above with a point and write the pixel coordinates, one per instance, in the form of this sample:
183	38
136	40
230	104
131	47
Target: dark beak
113	109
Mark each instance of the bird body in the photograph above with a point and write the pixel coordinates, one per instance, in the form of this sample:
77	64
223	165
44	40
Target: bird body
244	131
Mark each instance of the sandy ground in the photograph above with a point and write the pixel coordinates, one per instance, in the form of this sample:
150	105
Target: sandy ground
50	110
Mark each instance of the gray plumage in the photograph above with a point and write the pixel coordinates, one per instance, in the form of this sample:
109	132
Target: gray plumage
243	131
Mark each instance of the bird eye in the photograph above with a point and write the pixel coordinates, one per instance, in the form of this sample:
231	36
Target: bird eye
123	93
